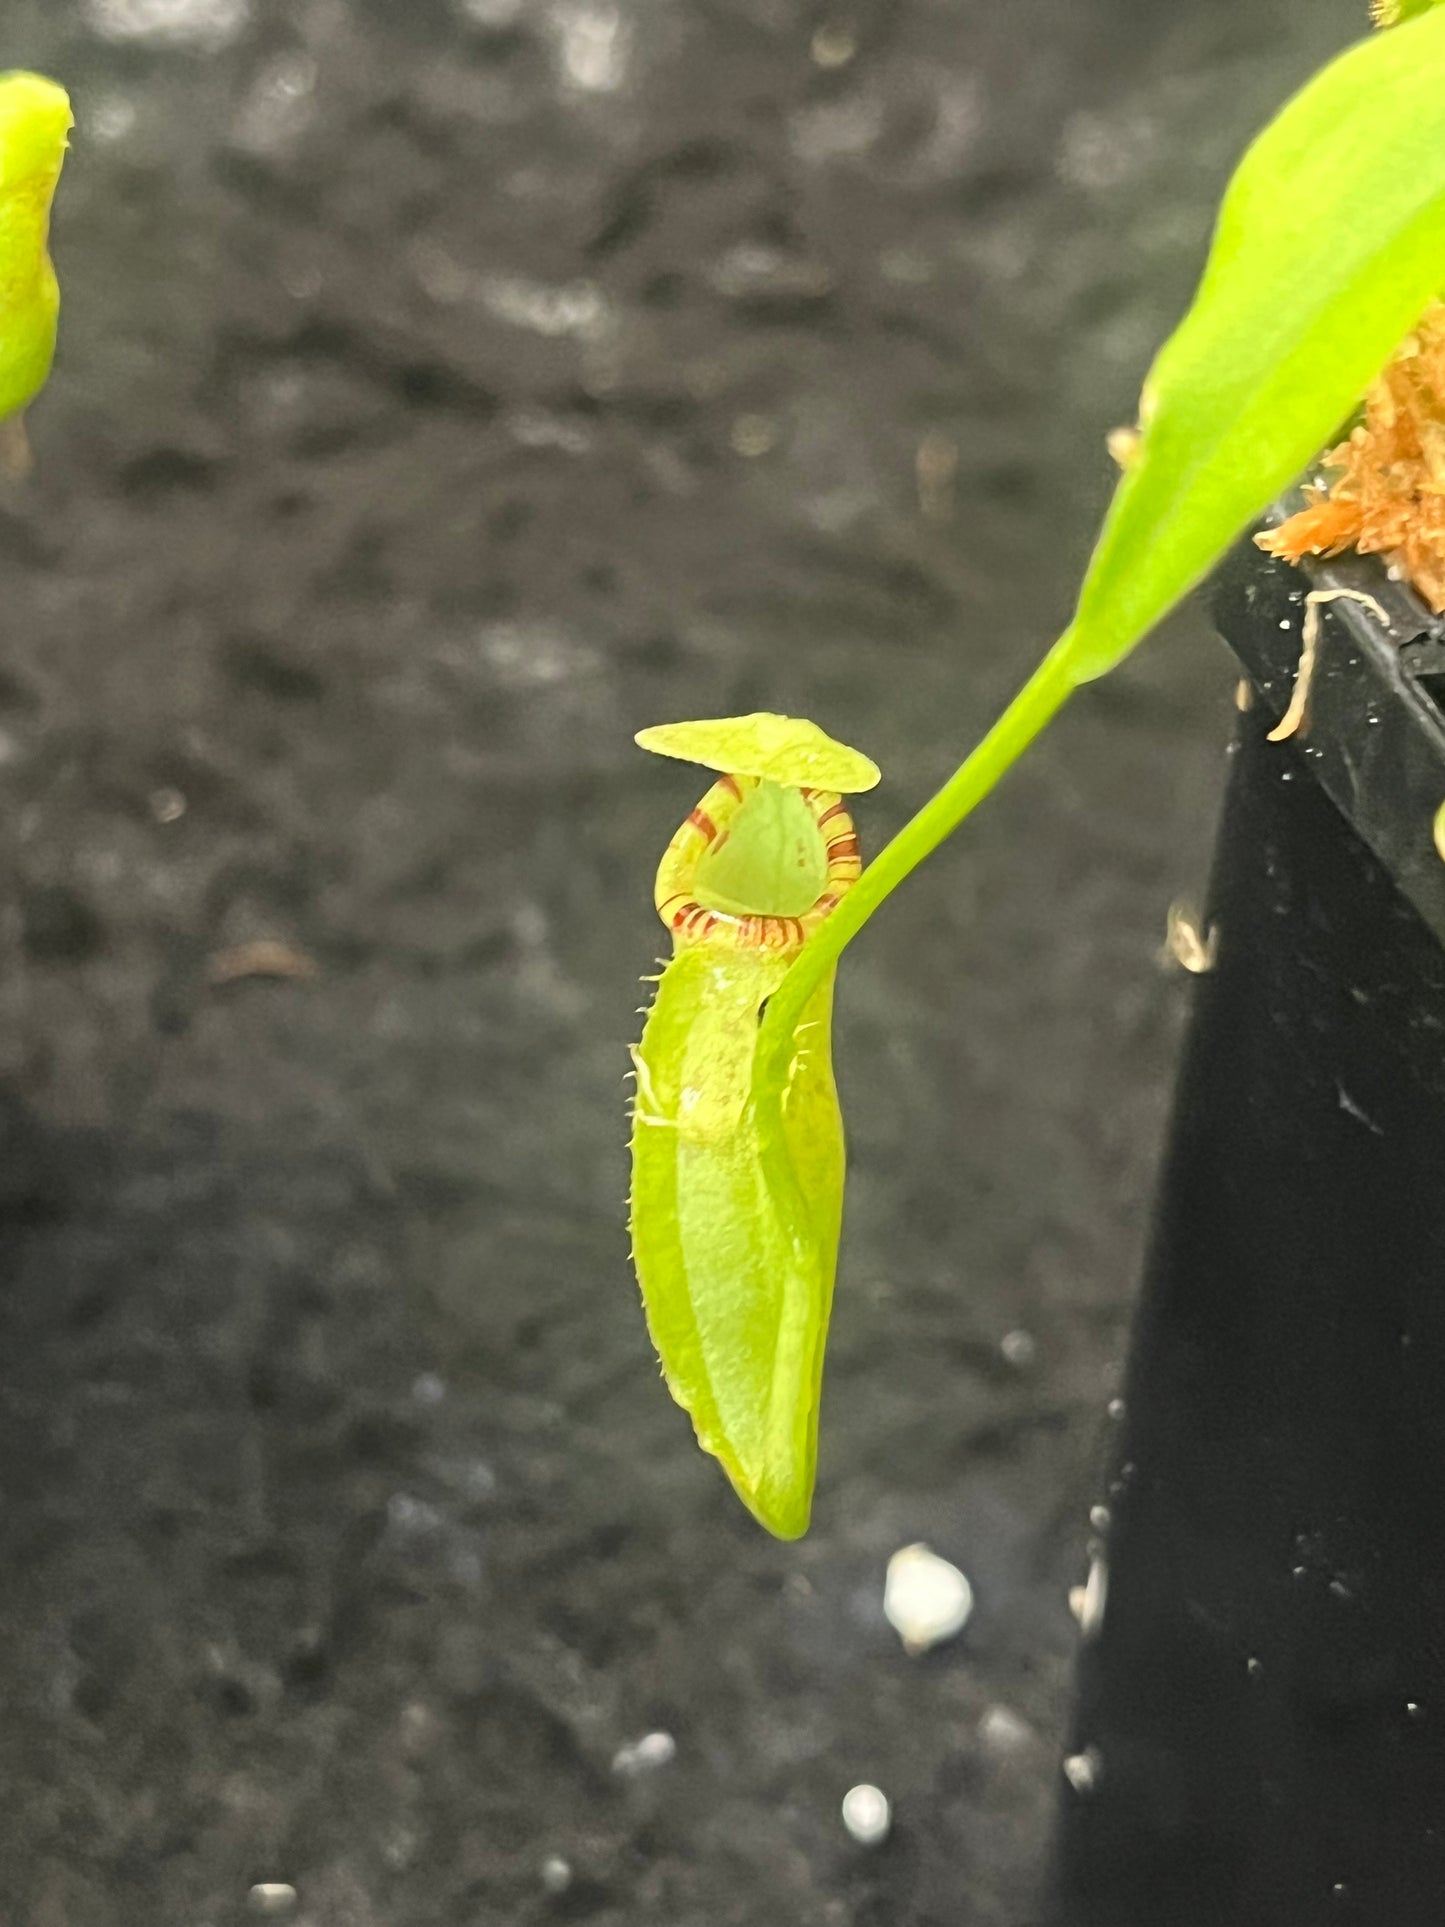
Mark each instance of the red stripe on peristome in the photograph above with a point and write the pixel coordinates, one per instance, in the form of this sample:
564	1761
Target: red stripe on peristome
838	809
700	820
848	845
730	783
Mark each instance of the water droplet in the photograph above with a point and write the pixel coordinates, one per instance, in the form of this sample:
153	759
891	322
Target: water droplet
1254	1667
1115	1408
1119	1486
1099	1518
867	1814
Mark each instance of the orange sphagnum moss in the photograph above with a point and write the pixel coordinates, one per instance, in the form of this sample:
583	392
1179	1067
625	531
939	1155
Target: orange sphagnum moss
1387	493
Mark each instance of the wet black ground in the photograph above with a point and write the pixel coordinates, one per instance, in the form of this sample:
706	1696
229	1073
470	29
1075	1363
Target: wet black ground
445	393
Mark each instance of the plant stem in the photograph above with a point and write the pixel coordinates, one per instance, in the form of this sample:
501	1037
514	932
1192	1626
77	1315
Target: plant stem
1036	703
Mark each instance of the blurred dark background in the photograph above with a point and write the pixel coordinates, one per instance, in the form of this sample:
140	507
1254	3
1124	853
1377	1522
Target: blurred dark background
446	391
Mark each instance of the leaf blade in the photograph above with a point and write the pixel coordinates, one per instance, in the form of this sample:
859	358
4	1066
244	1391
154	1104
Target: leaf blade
1294	316
35	119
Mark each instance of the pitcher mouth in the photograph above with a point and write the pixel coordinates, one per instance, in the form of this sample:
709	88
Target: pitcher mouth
706	828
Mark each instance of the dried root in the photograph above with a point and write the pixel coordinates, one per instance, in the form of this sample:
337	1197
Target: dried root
1296	718
266	957
1187	943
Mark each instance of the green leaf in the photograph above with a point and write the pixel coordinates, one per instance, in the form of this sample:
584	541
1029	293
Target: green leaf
1330	242
34	121
1329	246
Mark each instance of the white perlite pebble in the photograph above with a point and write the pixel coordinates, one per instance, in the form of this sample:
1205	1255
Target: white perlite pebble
207	24
556	1874
646	1755
272	1898
867	1815
1082	1770
1019	1348
925	1599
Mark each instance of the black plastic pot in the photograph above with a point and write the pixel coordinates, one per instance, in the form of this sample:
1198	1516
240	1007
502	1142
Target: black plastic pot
1260	1727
